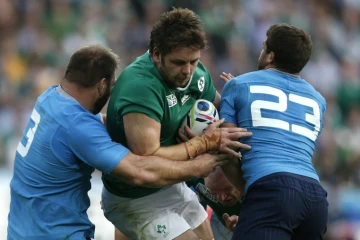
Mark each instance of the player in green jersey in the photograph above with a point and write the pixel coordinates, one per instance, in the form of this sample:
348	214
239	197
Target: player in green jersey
148	102
223	198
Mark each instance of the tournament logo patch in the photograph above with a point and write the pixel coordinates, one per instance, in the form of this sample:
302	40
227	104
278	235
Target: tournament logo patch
201	83
171	99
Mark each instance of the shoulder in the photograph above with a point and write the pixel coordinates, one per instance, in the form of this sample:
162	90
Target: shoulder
142	67
243	80
201	69
63	110
201	72
85	125
69	113
320	98
251	77
140	74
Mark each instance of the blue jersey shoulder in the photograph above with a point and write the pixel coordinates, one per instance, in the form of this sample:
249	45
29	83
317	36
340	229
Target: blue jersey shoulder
279	79
63	109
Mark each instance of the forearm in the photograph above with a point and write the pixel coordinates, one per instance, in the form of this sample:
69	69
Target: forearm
153	171
170	173
234	174
233	171
192	148
175	152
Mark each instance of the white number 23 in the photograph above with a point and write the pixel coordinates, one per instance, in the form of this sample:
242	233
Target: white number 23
281	106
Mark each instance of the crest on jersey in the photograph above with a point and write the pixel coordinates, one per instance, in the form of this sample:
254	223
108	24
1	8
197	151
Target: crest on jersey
171	99
201	83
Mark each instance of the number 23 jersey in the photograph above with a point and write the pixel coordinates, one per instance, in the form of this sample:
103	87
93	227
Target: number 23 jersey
285	115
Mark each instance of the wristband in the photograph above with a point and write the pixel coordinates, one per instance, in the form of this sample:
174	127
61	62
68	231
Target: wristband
203	143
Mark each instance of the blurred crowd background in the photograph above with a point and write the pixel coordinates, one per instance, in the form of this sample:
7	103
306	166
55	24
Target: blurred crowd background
37	38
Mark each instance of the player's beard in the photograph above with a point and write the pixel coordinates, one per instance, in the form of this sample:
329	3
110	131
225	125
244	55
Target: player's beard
261	63
100	103
260	67
173	81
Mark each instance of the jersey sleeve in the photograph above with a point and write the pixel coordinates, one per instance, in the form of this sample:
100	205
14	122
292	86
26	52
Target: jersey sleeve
209	91
90	142
141	98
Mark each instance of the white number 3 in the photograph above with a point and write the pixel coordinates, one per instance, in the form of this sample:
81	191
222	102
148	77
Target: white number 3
281	106
23	150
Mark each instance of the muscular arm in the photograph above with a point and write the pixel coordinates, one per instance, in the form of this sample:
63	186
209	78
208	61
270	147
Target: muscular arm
153	171
233	171
139	128
143	137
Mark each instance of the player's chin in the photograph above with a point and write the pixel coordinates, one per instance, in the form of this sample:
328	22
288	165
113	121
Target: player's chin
182	82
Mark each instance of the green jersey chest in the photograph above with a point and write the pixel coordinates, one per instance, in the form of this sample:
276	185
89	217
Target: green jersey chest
178	103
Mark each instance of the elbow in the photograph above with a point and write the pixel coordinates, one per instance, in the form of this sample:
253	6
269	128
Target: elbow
139	171
143	151
145	179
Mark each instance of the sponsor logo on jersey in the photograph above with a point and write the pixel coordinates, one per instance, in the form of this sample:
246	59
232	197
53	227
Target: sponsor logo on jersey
201	83
171	99
184	99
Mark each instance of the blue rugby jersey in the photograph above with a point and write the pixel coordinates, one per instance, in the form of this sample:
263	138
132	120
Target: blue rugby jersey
285	115
61	146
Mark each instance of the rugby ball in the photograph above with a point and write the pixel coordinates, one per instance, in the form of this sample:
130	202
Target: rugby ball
201	115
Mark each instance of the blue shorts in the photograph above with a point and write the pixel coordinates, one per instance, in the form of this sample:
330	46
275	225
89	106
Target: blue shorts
283	206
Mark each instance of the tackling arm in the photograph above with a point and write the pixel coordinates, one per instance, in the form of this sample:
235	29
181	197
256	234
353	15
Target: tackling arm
233	171
153	171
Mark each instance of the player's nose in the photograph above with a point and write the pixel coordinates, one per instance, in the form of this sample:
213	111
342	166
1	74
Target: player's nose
221	196
186	69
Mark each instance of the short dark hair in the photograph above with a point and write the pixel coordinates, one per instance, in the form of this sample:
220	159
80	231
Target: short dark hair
177	28
90	64
291	46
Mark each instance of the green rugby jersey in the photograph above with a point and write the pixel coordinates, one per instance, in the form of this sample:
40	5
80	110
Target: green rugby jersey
141	89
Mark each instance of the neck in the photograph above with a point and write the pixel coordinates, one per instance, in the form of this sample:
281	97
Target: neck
279	70
78	93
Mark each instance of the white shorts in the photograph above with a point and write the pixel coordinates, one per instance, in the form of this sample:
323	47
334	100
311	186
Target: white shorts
165	214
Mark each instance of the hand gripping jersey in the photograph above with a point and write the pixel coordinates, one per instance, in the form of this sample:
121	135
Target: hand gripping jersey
285	115
141	89
61	145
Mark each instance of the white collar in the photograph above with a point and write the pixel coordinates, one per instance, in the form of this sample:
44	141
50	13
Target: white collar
187	85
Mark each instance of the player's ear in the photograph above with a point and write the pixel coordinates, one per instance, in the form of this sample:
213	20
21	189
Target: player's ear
272	57
156	55
102	86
